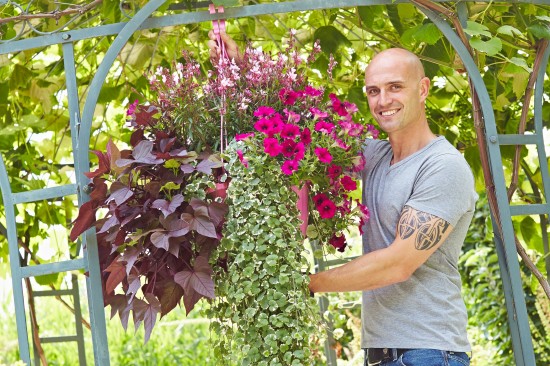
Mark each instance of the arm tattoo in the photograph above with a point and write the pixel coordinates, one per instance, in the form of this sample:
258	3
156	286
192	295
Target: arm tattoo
428	228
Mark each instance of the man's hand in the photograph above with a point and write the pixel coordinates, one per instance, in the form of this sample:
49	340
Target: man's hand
230	47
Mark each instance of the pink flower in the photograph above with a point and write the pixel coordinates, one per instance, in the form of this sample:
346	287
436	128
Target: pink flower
327	209
243	136
323	155
292	117
264	111
339	242
323	126
288	97
319	198
356	129
348	183
272	147
289	167
317	113
341	144
276	124
242	159
338	106
132	108
263	125
305	136
299	151
311	91
373	131
334	171
290	131
359	163
287	148
345	207
350	107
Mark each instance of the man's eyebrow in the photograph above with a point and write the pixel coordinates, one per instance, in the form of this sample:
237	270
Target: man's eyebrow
386	83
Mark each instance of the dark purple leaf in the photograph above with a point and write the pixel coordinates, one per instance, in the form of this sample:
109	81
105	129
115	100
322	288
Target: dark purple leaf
141	154
187	168
121	195
130	256
160	239
201	224
84	220
179	153
170	297
166	144
134	285
168	207
217	212
190	298
117	273
109	223
200	282
207	165
119	304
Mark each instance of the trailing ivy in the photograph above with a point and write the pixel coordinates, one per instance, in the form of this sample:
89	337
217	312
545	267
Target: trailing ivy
263	314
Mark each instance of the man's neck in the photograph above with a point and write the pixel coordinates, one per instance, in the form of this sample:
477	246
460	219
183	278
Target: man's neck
404	145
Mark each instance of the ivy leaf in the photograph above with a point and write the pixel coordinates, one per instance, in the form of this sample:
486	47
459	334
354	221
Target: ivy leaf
117	272
490	47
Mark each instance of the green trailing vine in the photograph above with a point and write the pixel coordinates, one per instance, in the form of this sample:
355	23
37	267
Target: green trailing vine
263	314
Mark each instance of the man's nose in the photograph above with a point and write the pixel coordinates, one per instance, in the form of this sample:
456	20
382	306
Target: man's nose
384	98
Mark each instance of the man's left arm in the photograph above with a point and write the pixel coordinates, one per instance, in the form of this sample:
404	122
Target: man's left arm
418	235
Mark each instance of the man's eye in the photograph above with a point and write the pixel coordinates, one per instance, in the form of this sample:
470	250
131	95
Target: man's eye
372	92
395	87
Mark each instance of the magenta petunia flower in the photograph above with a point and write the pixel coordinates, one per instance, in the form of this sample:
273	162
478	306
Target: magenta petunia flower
341	144
264	111
319	198
305	136
287	148
263	125
311	91
355	130
272	146
338	106
290	131
323	155
334	171
323	126
288	97
327	209
299	151
348	183
359	163
276	124
292	116
339	242
289	167
243	136
242	158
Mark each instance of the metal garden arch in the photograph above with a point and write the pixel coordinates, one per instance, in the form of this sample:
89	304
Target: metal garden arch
81	129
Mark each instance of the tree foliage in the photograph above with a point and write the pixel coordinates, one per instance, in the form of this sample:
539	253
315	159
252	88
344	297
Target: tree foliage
34	117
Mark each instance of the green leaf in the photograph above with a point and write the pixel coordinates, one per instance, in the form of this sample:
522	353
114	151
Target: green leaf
521	62
20	77
428	33
226	2
519	83
509	31
331	39
540	30
476	29
490	47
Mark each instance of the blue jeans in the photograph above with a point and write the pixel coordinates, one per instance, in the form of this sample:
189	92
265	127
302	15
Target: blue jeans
429	357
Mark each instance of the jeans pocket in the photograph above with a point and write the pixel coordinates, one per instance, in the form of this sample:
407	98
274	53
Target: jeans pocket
458	359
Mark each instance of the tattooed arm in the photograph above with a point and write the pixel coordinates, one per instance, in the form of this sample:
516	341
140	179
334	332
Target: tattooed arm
418	235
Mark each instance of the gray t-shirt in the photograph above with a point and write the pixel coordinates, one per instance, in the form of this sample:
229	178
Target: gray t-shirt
427	310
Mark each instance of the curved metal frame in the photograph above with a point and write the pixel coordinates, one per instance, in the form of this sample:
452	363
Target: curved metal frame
81	130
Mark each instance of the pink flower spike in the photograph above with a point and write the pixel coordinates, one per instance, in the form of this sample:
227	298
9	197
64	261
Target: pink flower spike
323	155
290	131
305	136
327	209
243	136
348	183
272	147
132	108
289	167
264	111
324	127
242	159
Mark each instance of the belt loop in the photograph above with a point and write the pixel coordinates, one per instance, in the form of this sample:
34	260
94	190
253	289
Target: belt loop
394	354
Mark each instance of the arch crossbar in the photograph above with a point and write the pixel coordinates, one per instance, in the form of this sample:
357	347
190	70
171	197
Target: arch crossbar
81	131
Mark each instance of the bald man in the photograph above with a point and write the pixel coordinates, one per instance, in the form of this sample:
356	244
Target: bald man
420	193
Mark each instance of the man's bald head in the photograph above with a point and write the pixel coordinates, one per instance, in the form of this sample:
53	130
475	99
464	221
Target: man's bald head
400	56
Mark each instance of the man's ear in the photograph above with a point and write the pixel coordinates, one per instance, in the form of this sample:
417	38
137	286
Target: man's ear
424	87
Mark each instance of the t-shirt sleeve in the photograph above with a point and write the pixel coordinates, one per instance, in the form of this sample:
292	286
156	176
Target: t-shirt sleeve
444	187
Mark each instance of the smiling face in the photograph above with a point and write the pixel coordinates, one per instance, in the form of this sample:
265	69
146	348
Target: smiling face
396	90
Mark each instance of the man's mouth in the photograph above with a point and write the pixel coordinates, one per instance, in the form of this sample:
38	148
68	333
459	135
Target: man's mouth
389	113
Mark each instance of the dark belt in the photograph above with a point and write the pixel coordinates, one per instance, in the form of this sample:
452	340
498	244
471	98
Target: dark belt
375	356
